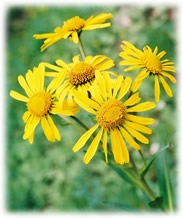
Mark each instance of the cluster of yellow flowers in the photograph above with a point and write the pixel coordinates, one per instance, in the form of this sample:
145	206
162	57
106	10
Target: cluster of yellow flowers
88	83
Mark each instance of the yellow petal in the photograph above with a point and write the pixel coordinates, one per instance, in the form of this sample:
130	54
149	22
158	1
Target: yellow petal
139	52
96	26
98	19
105	145
169	76
166	86
86	100
84	138
24	85
142	107
168	68
136	134
114	143
31	138
156	88
93	147
117	85
30	126
118	148
129	139
139	127
134	99
53	128
26	116
125	87
136	85
85	107
75	37
161	54
18	96
47	129
125	152
141	120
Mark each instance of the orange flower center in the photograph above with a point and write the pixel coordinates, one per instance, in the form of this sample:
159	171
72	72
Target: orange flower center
152	62
81	73
111	114
74	24
39	104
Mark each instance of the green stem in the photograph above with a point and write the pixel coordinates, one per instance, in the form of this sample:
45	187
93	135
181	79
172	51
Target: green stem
70	122
142	156
144	186
81	47
79	122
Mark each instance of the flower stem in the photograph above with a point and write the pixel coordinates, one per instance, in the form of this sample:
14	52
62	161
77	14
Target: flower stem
142	156
79	122
70	122
81	47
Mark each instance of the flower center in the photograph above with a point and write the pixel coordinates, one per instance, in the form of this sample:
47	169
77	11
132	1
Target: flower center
39	104
111	114
75	23
81	73
152	62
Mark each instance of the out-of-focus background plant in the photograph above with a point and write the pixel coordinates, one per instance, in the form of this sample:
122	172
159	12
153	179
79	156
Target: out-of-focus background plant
49	176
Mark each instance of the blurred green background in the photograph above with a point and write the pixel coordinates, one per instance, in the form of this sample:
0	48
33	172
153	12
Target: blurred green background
49	176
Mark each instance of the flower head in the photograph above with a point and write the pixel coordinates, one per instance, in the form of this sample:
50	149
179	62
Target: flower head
41	103
113	117
151	64
72	28
80	75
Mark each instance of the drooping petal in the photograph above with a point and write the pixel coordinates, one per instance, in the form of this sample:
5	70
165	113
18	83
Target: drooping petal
84	138
156	88
105	145
93	147
166	86
47	129
136	134
129	139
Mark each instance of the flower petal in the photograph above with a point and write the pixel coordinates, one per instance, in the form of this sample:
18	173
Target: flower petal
84	138
93	147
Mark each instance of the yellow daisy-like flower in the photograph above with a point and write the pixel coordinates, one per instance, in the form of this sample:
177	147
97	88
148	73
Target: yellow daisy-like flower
150	62
80	75
113	117
72	28
41	103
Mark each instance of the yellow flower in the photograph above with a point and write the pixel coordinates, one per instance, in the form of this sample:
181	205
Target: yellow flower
151	64
41	103
72	28
80	75
113	117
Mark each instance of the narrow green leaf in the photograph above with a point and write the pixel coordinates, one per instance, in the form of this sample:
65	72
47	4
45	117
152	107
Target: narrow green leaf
145	170
164	181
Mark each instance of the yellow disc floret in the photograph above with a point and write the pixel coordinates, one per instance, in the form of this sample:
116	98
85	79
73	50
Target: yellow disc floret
111	114
39	104
151	61
74	24
81	73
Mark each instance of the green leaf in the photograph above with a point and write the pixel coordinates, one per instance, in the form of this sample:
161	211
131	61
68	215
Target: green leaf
164	181
157	203
144	171
123	171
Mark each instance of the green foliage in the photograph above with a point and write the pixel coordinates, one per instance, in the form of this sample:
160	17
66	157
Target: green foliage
49	176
